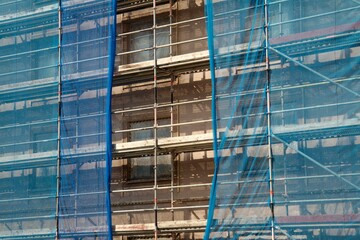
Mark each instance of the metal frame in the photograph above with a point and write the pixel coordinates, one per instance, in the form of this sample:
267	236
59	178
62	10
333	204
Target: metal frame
188	67
58	176
156	72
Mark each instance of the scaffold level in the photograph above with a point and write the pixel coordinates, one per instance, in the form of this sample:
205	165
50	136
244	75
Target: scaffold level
298	98
54	105
180	119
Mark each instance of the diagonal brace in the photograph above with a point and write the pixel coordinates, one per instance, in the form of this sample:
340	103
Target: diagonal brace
277	227
315	72
316	162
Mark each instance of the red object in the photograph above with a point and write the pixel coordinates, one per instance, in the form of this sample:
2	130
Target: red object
317	33
319	218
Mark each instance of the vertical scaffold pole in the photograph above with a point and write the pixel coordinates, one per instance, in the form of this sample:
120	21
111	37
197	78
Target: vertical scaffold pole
172	153
171	115
270	156
170	27
155	124
58	177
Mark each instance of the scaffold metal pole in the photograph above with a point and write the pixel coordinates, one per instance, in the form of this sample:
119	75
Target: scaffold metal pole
57	210
268	107
155	123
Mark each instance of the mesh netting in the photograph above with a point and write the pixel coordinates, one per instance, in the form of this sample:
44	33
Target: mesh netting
29	113
28	118
87	67
295	174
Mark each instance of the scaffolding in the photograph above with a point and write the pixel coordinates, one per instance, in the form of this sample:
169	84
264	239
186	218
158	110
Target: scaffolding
162	134
285	88
165	58
289	144
29	85
55	118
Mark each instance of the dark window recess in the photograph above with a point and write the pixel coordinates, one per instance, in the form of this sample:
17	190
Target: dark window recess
149	134
142	168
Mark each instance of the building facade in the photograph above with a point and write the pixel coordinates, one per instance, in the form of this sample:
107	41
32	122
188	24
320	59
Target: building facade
111	134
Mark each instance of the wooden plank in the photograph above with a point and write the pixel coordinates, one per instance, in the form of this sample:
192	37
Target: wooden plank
163	62
179	144
185	224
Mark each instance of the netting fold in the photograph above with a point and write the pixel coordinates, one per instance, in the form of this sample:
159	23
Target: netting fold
87	53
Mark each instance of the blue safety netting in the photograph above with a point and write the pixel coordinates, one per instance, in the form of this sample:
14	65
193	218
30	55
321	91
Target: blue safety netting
87	58
32	83
307	142
28	118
